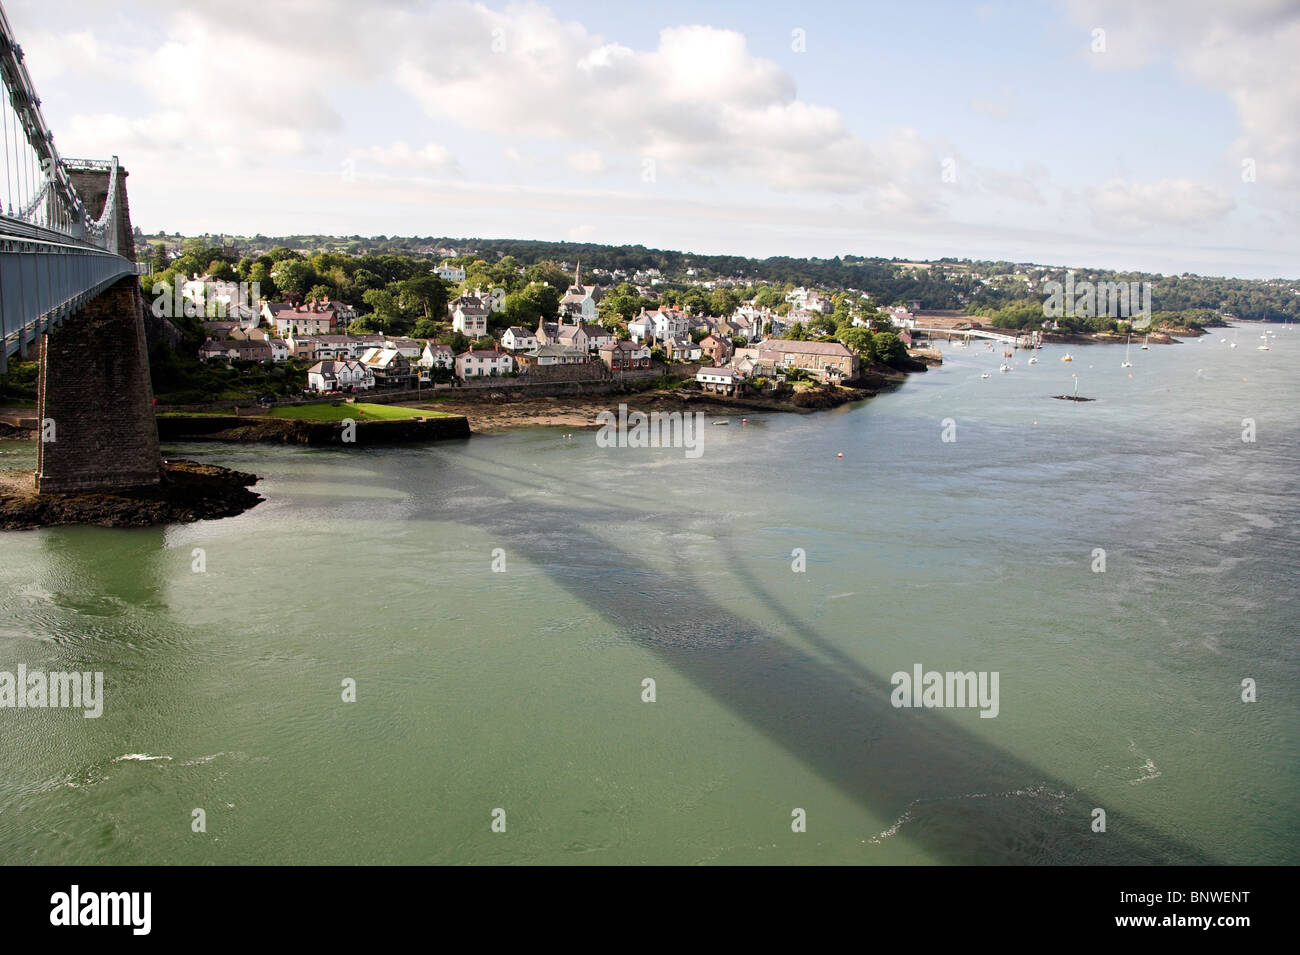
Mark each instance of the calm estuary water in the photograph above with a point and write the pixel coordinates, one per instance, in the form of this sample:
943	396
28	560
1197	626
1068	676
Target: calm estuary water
522	690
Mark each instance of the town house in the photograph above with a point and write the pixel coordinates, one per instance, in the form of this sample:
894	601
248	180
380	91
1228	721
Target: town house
625	356
482	363
469	316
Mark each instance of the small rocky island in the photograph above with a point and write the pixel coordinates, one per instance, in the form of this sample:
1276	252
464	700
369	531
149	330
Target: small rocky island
188	492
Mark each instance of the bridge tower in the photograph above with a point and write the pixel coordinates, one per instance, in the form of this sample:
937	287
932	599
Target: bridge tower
94	395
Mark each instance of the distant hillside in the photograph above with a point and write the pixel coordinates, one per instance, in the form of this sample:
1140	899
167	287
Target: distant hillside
970	285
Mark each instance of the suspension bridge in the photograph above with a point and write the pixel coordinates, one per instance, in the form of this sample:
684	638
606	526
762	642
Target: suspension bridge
69	290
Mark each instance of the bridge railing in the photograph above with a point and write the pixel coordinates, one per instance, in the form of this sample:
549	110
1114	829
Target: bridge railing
42	281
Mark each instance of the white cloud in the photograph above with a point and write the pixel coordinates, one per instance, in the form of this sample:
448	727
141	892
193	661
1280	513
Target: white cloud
429	158
238	119
699	99
1134	207
1248	50
589	163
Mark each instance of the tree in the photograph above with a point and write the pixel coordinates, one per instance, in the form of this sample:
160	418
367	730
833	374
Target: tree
822	325
550	273
366	324
259	275
384	305
294	277
620	305
695	301
426	294
890	349
861	341
427	328
532	304
222	270
723	302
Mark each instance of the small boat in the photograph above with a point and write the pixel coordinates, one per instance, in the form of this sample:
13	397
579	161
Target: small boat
1067	357
1033	360
1262	347
986	375
1126	363
722	422
1144	342
1004	368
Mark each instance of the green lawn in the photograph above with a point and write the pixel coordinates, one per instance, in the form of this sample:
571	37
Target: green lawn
358	412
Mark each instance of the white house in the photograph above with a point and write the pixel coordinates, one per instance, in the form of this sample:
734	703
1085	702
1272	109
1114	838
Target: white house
798	298
641	328
544	355
517	338
469	316
598	336
481	363
301	319
333	346
670	323
339	375
683	349
450	273
437	356
721	380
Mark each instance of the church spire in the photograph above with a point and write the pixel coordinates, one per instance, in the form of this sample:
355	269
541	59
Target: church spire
577	275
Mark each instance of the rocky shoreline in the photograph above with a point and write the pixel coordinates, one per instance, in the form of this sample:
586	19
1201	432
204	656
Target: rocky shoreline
497	412
189	492
262	429
1115	338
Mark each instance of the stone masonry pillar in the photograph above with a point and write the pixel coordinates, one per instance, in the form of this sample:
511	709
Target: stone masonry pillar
95	399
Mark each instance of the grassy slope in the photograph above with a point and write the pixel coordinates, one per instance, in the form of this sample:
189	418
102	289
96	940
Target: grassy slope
358	412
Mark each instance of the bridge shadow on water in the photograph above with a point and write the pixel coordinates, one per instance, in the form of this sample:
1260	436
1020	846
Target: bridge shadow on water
823	708
956	796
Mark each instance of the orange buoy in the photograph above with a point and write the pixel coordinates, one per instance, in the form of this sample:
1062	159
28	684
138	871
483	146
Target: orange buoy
840	455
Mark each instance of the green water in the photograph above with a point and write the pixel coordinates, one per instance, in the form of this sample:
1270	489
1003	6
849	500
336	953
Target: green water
522	690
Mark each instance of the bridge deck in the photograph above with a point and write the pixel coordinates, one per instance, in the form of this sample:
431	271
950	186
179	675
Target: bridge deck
44	276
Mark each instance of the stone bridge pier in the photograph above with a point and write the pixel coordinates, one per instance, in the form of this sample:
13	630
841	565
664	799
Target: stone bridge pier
94	395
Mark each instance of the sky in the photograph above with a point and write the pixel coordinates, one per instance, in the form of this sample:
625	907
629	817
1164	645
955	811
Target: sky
1159	135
